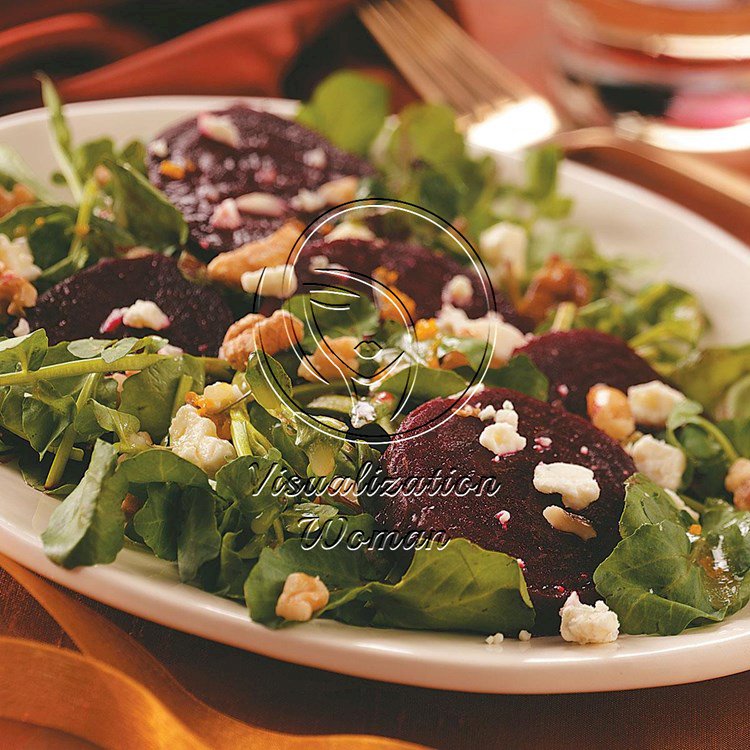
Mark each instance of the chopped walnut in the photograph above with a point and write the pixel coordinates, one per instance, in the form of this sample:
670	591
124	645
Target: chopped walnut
393	303
301	597
738	483
273	250
331	360
555	282
18	195
275	334
609	411
16	293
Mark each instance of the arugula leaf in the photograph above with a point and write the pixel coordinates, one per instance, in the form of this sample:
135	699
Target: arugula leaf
13	169
269	384
420	383
46	413
86	528
144	211
347	108
647	503
150	393
23	352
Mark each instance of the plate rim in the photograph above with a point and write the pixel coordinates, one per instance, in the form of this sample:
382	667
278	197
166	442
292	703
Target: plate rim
314	645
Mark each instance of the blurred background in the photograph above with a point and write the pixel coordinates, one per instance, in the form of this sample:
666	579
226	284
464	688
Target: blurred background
683	65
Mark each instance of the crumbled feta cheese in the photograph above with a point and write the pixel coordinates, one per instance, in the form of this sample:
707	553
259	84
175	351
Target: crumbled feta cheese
113	321
17	257
315	158
494	640
507	415
488	413
503	517
194	438
652	403
226	215
219	128
576	484
680	504
348	230
22	328
505	243
219	396
582	623
502	338
659	461
308	201
261	204
524	635
159	148
339	191
318	262
271	281
362	413
502	438
145	314
568	523
458	291
170	350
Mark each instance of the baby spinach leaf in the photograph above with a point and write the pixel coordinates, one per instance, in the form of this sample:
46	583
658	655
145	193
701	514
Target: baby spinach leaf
646	502
158	521
347	108
269	384
150	393
13	169
46	413
87	527
144	211
520	374
23	352
419	383
656	582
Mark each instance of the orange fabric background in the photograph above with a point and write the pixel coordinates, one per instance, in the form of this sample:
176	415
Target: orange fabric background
710	716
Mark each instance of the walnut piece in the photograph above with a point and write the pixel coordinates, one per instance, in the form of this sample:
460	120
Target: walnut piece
277	333
332	360
738	483
273	250
301	597
609	411
18	195
555	282
16	293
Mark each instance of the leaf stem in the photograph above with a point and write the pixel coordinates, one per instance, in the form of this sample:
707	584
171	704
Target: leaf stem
62	456
564	316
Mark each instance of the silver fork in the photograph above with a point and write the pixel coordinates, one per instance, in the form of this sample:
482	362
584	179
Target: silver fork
499	111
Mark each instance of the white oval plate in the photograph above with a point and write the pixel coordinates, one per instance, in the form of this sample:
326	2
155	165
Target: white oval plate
626	220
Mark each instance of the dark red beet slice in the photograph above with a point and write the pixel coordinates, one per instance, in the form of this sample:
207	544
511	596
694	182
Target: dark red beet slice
556	563
574	361
422	273
76	307
270	159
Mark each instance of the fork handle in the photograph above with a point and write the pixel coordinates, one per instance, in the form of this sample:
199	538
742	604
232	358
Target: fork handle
663	167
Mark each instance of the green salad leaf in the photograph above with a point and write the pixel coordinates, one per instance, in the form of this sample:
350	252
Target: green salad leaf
349	109
13	169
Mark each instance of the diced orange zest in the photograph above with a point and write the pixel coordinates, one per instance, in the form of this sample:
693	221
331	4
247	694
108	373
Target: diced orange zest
695	529
171	170
425	329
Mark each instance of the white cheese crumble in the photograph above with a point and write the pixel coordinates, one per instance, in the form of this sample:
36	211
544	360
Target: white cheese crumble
576	484
22	328
349	230
524	635
271	281
659	461
170	350
502	438
261	204
194	438
362	413
568	523
315	158
159	148
507	415
505	243
680	504
145	314
17	258
652	403
331	193
219	396
502	338
494	640
226	215
582	623
458	291
219	128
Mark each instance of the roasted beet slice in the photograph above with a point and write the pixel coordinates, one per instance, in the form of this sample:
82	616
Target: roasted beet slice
556	563
574	361
419	273
76	307
273	156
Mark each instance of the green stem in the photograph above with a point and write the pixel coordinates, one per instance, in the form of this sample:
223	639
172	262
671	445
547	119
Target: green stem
215	367
183	386
76	454
62	456
246	439
565	315
278	529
